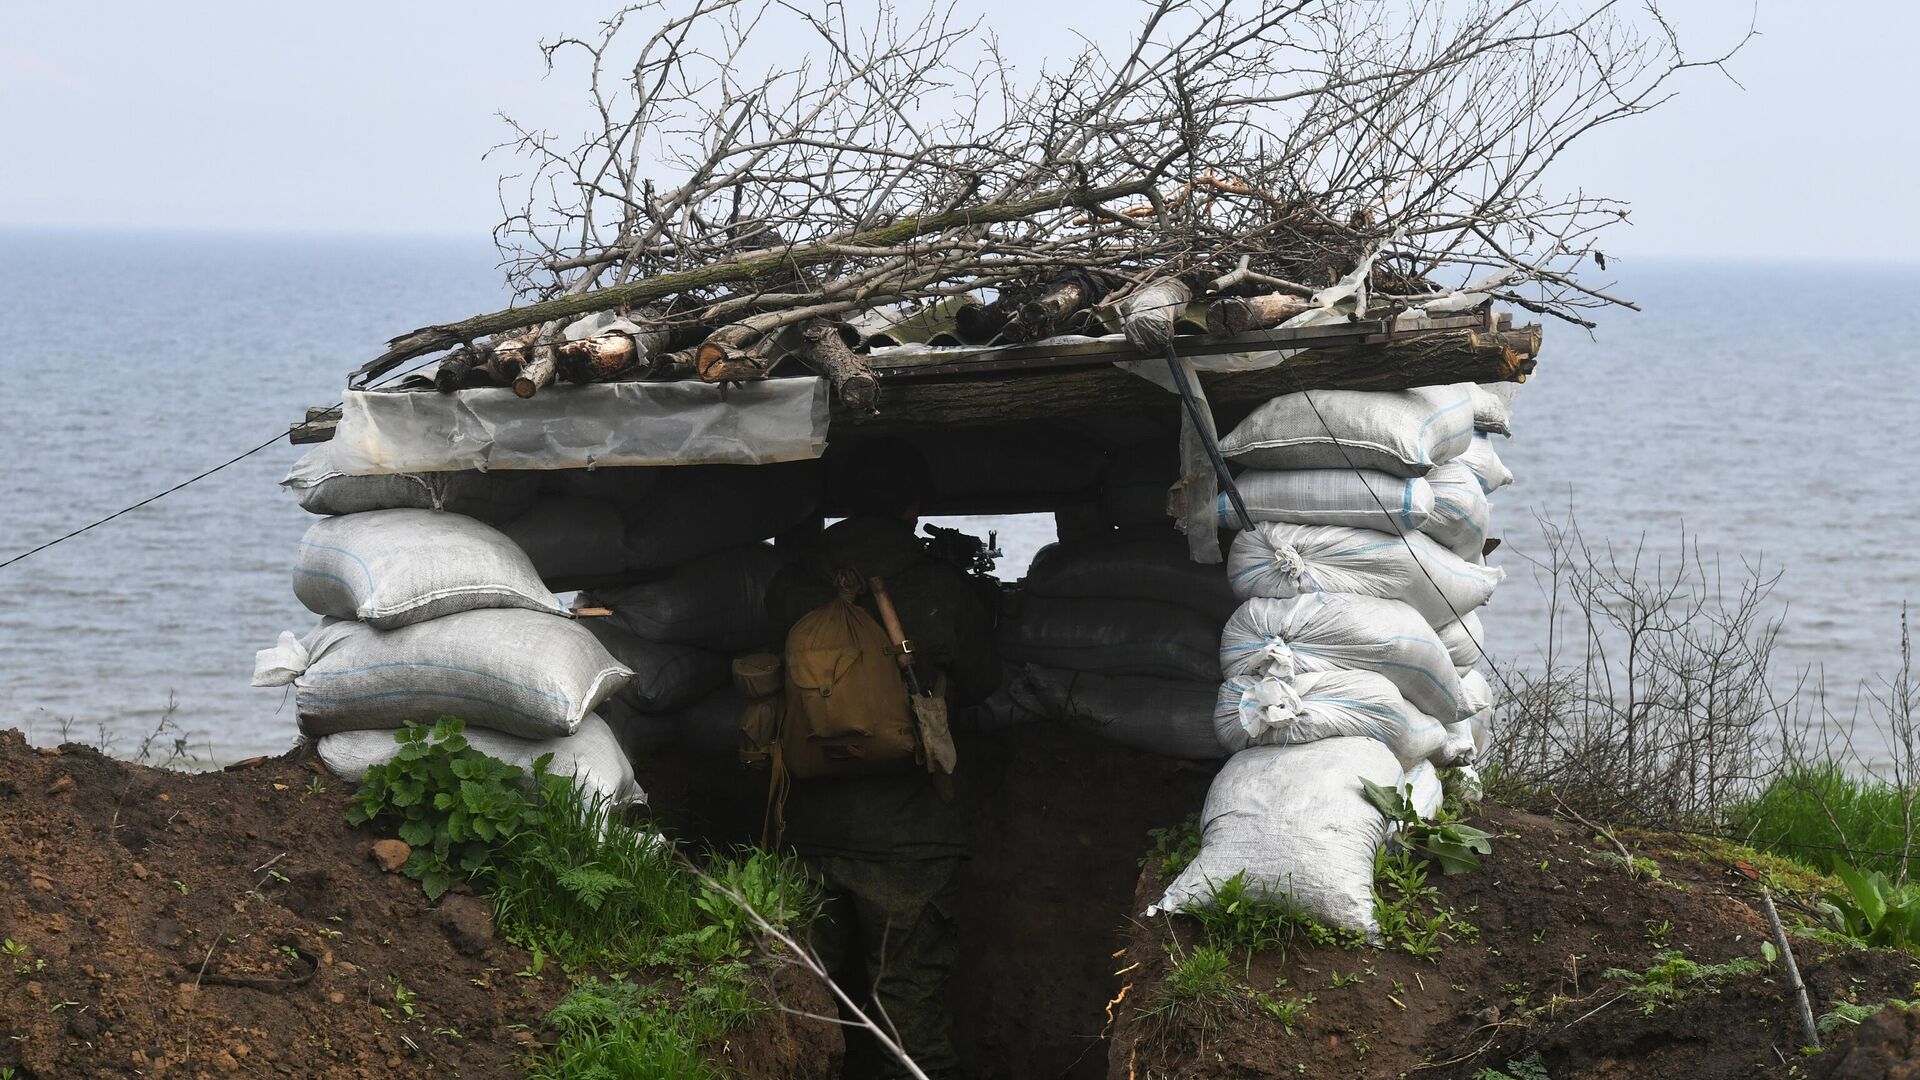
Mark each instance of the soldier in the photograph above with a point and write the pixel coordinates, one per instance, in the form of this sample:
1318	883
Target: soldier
888	848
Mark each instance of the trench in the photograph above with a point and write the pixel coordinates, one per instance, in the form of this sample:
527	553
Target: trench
1060	821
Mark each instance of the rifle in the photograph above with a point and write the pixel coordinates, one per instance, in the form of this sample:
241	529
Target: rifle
929	709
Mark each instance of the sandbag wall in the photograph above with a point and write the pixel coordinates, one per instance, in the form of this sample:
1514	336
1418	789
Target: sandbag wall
435	592
1353	649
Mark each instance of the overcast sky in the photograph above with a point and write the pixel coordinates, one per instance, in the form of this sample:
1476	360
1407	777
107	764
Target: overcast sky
365	117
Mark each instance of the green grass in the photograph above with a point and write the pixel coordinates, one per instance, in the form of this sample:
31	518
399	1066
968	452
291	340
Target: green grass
1821	815
1201	988
621	1030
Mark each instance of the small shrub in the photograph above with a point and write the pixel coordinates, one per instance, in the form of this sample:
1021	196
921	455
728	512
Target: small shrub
1672	978
622	1030
1529	1067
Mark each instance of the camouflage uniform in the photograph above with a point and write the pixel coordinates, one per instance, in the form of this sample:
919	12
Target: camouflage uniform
887	849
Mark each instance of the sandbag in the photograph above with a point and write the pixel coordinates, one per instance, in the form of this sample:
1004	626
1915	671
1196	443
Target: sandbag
717	601
640	733
1171	717
1135	566
1360	500
591	755
1295	820
1493	407
1425	792
697	509
1476	693
1331	631
571	539
1462	518
492	497
1463	640
710	727
617	486
1026	460
1278	560
1113	637
665	676
1398	432
393	568
513	671
1265	711
1485	464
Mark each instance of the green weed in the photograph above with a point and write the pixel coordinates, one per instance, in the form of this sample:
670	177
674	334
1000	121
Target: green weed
1529	1067
623	1030
1199	990
1174	847
1236	919
1848	1014
1672	978
1455	846
1409	909
1875	910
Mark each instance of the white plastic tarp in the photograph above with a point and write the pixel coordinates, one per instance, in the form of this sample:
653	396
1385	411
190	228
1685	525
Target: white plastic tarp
573	427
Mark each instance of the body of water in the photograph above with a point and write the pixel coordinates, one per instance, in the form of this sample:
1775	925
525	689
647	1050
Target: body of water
1738	407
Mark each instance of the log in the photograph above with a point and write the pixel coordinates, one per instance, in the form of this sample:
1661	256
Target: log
1039	316
977	323
447	335
598	359
537	372
1435	358
853	380
718	361
505	358
454	368
1232	315
1149	317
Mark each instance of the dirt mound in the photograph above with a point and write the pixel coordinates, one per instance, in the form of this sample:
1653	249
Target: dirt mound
171	924
1555	909
1886	1046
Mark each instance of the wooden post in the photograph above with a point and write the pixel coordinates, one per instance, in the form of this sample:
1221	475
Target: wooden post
826	350
1232	315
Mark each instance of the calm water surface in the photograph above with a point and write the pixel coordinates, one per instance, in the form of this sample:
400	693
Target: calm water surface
1736	407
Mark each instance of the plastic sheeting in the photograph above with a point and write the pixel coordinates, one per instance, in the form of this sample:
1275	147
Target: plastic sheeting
573	427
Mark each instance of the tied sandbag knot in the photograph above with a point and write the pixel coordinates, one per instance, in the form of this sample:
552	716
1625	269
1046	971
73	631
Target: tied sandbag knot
1267	705
286	660
1275	658
1287	559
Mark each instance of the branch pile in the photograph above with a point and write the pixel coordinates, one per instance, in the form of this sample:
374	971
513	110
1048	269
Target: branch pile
754	167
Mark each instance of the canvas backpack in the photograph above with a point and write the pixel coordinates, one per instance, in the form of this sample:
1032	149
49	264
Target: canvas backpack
845	709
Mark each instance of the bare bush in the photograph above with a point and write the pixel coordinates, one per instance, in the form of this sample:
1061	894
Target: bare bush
1655	700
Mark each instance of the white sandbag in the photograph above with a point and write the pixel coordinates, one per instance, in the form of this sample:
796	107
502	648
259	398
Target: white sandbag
1280	560
1333	631
514	671
1297	823
1113	637
1171	717
1486	465
694	510
1399	432
591	755
1361	500
392	568
1493	407
1426	793
1476	693
1132	566
665	676
1265	711
1462	518
571	539
489	496
717	601
1463	640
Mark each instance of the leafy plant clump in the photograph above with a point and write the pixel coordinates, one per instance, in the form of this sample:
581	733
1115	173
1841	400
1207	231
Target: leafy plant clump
1529	1067
1812	811
1672	978
452	804
1200	989
1850	1014
1237	919
1454	845
1875	910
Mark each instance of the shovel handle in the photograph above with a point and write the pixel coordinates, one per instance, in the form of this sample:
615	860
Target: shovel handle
891	620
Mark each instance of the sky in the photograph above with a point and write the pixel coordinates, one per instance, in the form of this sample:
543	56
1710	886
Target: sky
374	118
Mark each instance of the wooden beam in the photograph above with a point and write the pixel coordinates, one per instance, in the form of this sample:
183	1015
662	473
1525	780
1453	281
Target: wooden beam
1431	358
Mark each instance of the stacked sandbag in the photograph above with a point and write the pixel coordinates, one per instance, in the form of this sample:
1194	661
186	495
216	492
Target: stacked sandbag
1351	653
1119	637
492	497
428	614
679	632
